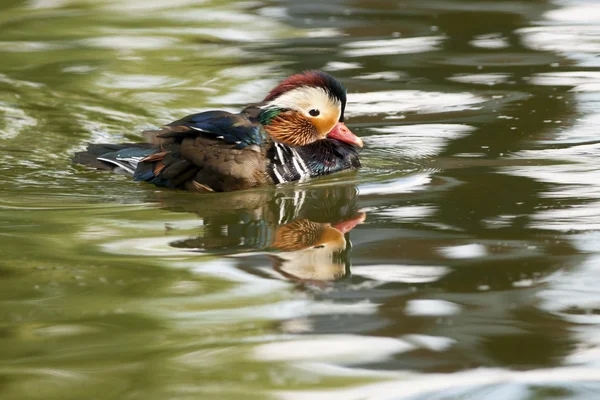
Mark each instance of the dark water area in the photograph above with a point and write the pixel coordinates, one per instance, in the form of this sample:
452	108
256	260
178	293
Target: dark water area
461	262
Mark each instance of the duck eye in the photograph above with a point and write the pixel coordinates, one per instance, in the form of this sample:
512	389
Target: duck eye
314	112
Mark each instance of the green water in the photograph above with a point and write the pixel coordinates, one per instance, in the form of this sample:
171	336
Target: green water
461	262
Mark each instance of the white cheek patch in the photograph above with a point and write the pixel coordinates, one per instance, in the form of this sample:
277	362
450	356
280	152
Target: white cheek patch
306	98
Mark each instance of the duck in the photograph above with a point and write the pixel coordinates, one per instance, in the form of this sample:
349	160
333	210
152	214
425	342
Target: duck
297	132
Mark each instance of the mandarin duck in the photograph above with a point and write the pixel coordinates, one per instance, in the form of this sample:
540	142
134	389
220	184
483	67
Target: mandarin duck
296	132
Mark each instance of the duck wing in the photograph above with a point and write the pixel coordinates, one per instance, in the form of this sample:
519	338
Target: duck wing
234	129
210	151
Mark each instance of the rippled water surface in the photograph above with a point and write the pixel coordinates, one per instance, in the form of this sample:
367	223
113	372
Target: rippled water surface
462	261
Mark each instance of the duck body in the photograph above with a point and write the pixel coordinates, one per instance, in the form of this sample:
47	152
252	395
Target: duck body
323	157
217	151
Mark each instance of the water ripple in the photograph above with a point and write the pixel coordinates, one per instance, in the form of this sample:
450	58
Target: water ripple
394	102
416	141
125	42
392	46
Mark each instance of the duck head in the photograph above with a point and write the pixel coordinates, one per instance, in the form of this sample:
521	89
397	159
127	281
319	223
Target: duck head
305	108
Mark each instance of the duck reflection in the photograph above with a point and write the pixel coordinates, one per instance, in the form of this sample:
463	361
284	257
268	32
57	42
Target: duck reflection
312	251
303	232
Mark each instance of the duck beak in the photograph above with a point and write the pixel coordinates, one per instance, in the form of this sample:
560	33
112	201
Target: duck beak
341	132
348	225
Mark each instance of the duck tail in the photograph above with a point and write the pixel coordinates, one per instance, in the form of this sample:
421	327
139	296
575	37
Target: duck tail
117	157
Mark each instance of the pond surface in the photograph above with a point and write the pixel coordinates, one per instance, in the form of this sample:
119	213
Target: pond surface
462	261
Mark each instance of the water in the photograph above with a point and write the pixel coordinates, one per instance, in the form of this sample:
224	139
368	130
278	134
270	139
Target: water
460	262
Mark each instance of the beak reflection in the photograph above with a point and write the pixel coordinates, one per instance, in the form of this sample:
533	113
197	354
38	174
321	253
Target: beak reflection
312	251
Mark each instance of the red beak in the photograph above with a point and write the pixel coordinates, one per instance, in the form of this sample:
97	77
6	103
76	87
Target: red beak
343	134
347	226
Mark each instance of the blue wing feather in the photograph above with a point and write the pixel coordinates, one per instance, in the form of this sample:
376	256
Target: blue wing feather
231	128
